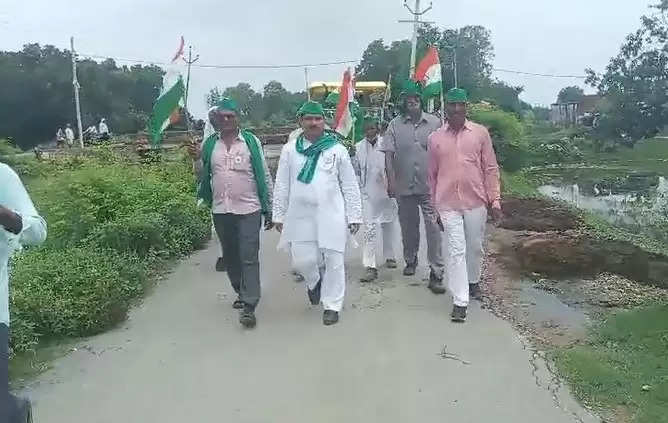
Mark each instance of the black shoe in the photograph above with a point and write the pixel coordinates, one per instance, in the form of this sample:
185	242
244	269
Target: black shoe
314	295
330	317
220	265
370	276
247	317
391	263
458	314
474	291
238	304
409	270
436	284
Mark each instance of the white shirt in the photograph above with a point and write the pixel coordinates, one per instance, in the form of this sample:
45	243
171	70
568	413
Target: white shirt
370	163
69	134
319	211
14	197
104	129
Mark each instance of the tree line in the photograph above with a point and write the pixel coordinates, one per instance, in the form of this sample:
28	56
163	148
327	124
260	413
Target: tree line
37	87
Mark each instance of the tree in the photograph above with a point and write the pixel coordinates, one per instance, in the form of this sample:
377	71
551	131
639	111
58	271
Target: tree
36	86
474	50
635	83
570	94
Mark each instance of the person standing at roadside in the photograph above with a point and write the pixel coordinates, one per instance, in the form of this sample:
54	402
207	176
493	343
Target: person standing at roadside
20	224
69	135
405	147
464	184
235	181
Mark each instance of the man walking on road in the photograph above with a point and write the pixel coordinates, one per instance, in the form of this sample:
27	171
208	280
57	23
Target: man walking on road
20	224
380	211
317	205
464	182
405	147
235	181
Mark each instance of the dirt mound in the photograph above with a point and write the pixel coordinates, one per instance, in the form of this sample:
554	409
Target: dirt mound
537	215
573	253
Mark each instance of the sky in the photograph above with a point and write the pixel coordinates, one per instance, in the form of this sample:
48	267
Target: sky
550	37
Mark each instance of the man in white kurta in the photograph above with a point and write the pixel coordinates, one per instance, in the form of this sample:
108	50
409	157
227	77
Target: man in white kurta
380	211
317	206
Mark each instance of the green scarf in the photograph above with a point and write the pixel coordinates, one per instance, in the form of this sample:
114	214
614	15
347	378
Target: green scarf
204	190
326	141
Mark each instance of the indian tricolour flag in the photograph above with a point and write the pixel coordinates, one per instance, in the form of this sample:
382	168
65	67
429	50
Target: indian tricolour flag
344	121
429	73
171	99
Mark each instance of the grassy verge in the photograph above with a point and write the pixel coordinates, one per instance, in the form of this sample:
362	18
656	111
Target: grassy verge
113	225
624	365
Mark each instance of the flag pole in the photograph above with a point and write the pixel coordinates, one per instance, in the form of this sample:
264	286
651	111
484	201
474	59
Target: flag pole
442	106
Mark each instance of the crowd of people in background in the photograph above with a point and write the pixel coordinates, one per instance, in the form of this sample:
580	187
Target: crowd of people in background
93	133
415	165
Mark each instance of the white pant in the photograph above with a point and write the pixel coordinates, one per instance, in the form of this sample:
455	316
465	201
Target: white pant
371	240
464	235
314	264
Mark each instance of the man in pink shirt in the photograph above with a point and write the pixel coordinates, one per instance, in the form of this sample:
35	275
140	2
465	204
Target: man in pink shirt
463	177
235	182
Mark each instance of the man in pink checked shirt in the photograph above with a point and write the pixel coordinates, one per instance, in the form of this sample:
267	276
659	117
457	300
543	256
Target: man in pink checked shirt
463	177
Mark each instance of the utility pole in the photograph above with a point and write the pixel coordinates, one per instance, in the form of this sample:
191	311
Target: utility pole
75	83
308	92
189	62
417	14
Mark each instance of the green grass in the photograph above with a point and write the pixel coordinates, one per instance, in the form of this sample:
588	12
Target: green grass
624	364
648	156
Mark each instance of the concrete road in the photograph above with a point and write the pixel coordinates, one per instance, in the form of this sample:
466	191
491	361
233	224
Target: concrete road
394	357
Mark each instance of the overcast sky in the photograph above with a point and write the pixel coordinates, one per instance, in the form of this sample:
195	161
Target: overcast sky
555	37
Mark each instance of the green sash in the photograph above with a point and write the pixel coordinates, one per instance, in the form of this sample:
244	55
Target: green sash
312	153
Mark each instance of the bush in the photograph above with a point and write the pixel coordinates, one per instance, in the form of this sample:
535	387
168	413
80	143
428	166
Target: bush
512	149
71	292
111	222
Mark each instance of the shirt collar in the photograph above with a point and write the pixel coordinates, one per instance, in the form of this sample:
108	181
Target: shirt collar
407	118
467	125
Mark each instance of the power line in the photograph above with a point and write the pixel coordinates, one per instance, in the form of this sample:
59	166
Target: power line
302	65
280	66
548	75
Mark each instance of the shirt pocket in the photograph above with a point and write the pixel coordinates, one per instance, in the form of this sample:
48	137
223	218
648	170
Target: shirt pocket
240	163
326	163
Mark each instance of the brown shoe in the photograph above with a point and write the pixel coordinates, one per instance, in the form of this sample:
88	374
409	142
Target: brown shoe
458	314
474	291
370	276
436	284
391	263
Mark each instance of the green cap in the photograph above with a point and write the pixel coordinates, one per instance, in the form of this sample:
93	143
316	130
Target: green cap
456	95
332	99
411	88
311	108
371	120
227	103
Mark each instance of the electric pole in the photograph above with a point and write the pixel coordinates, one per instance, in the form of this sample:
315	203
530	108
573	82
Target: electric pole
417	14
189	62
75	83
308	91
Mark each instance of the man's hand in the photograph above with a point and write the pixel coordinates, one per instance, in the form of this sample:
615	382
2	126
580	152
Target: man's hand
278	227
268	223
439	223
354	227
193	150
11	221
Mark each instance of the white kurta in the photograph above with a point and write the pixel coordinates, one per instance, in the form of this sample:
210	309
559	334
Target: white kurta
380	211
321	210
378	206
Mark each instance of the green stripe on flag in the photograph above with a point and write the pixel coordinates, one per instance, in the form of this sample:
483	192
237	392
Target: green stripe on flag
163	108
432	90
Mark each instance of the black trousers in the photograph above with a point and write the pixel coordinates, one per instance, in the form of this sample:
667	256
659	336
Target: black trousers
240	237
12	409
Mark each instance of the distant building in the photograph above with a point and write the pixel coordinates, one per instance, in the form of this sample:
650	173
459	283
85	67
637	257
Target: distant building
573	112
